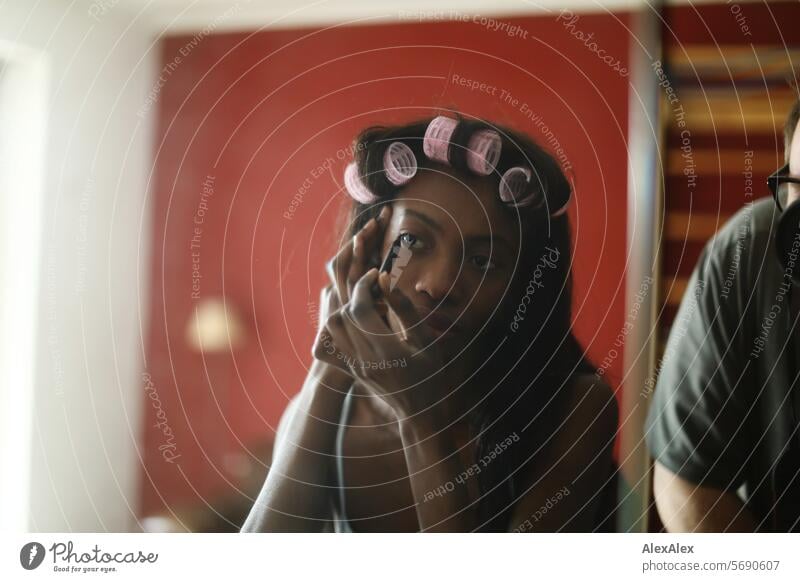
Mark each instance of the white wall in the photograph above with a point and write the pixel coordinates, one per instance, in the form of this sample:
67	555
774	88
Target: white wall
23	106
85	398
185	16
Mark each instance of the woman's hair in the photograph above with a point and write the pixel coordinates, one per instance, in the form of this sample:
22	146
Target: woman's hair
539	354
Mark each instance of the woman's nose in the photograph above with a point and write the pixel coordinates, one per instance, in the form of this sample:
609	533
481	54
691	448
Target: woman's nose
439	278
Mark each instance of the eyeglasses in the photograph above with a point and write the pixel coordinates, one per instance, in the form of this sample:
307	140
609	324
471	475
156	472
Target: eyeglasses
779	185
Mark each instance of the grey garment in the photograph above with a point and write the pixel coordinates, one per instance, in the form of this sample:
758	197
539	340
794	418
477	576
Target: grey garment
724	412
341	524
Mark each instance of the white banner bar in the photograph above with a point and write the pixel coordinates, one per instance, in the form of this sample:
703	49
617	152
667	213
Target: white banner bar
400	557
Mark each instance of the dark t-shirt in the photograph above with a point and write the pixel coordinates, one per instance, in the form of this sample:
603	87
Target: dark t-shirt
723	410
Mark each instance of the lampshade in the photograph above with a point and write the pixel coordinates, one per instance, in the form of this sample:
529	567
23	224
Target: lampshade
214	326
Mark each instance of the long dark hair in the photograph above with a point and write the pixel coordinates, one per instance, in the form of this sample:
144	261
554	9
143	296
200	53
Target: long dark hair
539	354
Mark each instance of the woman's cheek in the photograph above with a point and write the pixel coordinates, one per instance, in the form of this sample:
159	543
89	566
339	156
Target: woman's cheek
487	298
490	290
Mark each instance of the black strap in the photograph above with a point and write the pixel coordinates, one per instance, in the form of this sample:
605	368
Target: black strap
343	521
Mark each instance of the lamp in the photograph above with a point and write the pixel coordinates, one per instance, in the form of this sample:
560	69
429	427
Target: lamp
214	326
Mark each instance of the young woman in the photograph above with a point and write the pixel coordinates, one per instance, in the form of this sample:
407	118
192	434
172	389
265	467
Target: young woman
448	394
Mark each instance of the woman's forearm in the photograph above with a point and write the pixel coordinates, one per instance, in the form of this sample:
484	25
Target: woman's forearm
433	466
295	495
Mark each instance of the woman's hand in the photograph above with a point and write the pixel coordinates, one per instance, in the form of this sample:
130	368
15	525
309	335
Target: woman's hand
328	304
344	270
404	368
350	264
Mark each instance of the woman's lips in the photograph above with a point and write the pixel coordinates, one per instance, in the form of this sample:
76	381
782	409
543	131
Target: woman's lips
441	323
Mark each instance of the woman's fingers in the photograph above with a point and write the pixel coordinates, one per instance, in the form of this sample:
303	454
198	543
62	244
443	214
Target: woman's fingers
328	304
360	255
405	312
364	310
327	351
334	345
352	260
324	302
366	246
365	327
337	269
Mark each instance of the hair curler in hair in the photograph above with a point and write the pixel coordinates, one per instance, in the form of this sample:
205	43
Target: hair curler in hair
399	163
436	142
484	148
483	151
513	185
356	187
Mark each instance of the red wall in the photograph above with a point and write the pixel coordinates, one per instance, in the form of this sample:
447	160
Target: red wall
259	112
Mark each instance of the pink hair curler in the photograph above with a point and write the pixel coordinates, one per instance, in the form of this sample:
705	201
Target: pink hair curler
483	151
483	154
555	209
356	187
437	138
513	185
399	163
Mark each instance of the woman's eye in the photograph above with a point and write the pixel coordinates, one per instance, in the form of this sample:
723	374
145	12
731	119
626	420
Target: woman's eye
407	240
483	263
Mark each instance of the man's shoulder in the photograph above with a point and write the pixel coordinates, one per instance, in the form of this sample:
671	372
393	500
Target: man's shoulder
743	247
753	224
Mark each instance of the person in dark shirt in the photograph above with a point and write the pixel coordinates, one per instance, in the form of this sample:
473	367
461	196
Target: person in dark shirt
722	426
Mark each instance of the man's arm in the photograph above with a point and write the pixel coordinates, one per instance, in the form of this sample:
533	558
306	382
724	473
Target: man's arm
699	429
687	507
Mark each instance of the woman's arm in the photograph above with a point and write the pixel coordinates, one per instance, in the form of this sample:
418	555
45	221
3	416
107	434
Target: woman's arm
413	392
432	463
296	492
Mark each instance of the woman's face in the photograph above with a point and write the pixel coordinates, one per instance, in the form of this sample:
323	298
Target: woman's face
463	247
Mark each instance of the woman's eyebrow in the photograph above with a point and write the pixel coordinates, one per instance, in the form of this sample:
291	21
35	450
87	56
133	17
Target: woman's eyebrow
488	238
477	238
424	218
